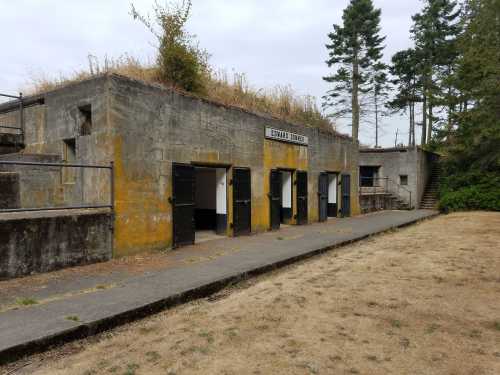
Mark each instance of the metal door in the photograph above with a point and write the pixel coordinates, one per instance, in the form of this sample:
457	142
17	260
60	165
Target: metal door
275	198
346	195
242	201
183	204
323	196
301	197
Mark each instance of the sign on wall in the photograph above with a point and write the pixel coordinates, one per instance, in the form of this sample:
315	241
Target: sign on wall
284	136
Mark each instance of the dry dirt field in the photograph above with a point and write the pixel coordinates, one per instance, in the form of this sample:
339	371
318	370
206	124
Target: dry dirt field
421	300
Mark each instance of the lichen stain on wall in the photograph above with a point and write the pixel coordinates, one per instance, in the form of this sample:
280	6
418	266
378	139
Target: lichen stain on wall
279	155
143	221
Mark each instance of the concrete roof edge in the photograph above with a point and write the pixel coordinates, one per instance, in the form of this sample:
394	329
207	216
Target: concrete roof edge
228	106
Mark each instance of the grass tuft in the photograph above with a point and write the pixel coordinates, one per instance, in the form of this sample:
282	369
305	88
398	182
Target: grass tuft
27	301
281	101
396	323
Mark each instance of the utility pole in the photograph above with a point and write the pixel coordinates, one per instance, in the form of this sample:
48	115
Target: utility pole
396	140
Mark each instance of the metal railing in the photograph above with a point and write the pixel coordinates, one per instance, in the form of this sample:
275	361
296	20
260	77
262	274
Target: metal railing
19	128
387	184
109	167
373	182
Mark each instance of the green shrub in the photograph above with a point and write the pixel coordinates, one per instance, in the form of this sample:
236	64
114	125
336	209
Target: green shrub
477	190
180	61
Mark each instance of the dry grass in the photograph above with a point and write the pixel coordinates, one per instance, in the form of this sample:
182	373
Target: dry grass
281	101
423	300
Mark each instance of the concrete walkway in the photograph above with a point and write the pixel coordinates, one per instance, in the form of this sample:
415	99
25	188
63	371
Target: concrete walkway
72	304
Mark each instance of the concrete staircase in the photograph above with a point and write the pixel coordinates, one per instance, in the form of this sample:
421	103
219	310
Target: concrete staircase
399	203
430	198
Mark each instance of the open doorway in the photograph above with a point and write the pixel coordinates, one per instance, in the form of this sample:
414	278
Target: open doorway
333	183
368	176
286	197
327	195
210	214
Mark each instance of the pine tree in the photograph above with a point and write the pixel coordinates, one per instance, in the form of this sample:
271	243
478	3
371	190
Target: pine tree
471	178
379	90
355	48
434	32
476	140
404	70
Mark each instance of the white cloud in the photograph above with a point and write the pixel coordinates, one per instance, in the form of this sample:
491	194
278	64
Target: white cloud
274	42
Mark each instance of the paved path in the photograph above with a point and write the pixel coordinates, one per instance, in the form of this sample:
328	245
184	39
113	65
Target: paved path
73	304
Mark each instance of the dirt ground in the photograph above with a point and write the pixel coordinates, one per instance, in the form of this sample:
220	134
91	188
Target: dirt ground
421	300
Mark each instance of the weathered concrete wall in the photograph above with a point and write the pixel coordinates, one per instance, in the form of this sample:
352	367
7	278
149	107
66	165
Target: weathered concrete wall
59	119
144	129
9	142
377	202
155	127
43	242
9	190
38	186
392	165
415	163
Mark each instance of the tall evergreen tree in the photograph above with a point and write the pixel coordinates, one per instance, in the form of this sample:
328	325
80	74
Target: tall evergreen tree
434	32
404	70
472	169
354	49
379	96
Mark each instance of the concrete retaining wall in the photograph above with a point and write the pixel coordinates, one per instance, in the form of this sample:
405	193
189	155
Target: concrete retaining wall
46	241
9	143
9	190
40	186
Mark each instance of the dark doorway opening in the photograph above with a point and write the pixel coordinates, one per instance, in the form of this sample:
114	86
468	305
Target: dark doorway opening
368	176
286	197
327	195
210	214
280	196
333	183
199	203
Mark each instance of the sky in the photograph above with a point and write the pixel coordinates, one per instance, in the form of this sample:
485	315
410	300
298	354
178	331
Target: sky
278	42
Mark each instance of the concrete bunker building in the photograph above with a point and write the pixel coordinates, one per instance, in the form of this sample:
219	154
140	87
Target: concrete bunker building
398	178
184	167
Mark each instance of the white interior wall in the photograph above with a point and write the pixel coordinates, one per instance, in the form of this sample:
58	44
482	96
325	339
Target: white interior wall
332	188
221	191
286	189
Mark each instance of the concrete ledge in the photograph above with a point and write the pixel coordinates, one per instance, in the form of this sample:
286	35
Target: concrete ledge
34	242
188	293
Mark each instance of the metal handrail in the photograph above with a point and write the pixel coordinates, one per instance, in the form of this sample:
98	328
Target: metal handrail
399	186
21	113
387	180
109	167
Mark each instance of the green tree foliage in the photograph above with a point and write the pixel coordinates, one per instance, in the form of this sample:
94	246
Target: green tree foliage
434	31
354	49
472	167
406	80
181	62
